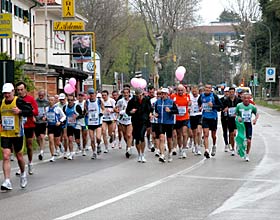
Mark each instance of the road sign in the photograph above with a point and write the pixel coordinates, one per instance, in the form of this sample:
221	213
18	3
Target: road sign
68	8
270	73
6	27
90	66
68	25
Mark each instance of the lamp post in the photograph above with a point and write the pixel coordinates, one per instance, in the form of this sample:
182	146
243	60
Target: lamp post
145	75
269	31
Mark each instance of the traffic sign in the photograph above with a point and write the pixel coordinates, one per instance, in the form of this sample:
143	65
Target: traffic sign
6	27
270	73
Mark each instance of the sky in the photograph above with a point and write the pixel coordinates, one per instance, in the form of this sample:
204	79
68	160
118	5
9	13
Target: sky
210	10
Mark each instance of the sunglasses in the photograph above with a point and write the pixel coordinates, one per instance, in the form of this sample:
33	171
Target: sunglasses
70	100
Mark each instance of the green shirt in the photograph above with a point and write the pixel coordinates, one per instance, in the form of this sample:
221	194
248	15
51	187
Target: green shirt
245	112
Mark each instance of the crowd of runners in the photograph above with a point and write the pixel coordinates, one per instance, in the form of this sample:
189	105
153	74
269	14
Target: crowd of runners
166	121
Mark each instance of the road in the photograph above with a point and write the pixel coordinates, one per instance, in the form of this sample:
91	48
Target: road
113	187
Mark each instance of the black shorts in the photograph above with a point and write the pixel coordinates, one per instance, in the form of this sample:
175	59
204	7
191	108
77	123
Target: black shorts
154	127
138	132
231	124
149	124
210	123
93	127
165	129
195	121
40	129
71	131
108	122
9	142
55	130
29	132
248	130
180	124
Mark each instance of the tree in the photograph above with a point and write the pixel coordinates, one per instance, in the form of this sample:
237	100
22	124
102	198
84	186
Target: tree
19	73
229	16
163	19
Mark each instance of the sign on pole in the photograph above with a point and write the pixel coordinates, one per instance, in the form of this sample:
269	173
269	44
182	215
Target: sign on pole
68	8
6	27
68	25
270	73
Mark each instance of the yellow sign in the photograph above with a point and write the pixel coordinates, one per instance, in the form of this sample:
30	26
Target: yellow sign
68	25
68	8
6	26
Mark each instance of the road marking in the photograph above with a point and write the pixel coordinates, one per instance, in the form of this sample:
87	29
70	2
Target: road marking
270	115
132	192
232	179
251	192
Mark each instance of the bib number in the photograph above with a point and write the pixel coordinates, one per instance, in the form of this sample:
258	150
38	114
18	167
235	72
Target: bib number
8	123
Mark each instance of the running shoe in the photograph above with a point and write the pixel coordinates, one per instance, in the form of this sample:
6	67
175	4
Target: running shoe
99	150
143	159
213	151
23	180
106	150
84	153
94	156
30	169
247	158
71	156
52	159
226	148
193	149
169	158
153	148
180	153
6	185
197	151
128	153
161	159
12	157
18	172
41	156
174	152
139	159
184	155
65	156
233	153
119	145
157	153
206	154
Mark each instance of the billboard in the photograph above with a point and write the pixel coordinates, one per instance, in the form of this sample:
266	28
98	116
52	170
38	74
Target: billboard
82	48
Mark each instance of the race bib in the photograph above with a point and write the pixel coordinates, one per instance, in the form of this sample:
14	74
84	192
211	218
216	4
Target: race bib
8	123
182	110
51	117
93	118
41	111
206	107
246	116
195	108
71	121
231	112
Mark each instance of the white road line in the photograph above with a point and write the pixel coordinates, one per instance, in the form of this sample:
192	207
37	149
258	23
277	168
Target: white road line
233	179
132	192
270	115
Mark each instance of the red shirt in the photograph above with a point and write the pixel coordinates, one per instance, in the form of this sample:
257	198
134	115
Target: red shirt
30	123
182	103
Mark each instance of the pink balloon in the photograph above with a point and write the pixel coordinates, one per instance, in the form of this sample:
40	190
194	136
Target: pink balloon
135	82
68	89
180	72
142	83
72	82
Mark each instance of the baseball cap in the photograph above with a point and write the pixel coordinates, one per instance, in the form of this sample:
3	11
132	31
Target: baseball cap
226	89
8	87
90	91
61	96
98	95
80	93
165	90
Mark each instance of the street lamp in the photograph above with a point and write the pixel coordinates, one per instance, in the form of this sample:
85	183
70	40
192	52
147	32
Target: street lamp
145	73
269	31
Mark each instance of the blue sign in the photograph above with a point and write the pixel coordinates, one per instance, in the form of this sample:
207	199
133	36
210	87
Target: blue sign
90	66
270	74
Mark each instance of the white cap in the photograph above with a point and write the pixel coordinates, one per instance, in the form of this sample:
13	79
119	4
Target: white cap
61	96
8	87
98	95
226	89
165	90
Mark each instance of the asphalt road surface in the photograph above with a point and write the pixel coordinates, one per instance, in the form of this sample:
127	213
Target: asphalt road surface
113	187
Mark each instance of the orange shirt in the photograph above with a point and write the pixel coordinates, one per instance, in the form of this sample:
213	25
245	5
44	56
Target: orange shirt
182	103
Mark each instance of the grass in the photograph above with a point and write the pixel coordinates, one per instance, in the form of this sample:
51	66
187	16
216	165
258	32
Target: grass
265	104
35	147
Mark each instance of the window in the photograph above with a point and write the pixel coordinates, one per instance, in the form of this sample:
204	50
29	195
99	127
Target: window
51	34
20	48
